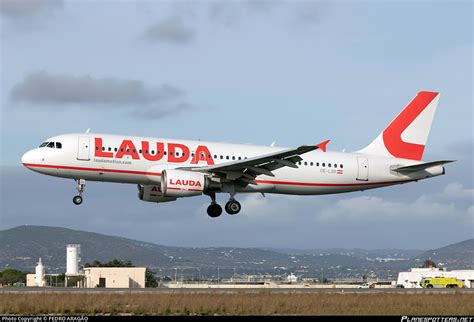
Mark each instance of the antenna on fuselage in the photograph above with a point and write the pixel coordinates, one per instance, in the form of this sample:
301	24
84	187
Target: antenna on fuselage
273	144
88	130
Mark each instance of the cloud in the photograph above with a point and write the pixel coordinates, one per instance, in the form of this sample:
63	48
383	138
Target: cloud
171	30
181	26
432	207
42	89
26	8
456	191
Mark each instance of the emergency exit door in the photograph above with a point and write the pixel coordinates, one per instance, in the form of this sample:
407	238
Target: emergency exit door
83	148
363	169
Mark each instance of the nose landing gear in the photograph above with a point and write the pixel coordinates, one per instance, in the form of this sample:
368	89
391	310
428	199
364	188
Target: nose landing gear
81	184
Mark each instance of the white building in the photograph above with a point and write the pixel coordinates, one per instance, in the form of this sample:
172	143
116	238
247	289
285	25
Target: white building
413	278
37	279
73	252
115	277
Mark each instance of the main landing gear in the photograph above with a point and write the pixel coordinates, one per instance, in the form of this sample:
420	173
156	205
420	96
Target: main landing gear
214	210
232	207
81	184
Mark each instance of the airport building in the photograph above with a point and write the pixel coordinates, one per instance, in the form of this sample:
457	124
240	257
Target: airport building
115	277
90	277
413	278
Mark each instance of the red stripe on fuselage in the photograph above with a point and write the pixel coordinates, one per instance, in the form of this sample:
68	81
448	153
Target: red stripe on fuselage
50	166
317	184
289	183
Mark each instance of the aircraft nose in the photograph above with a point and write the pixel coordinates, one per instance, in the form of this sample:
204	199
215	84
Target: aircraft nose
27	158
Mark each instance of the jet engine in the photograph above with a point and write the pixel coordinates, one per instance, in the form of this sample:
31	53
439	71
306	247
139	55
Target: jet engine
152	194
181	183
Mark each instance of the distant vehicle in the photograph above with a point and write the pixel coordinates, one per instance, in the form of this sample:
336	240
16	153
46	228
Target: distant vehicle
441	282
365	285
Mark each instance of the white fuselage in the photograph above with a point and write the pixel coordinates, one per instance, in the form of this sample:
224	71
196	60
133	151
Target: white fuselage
126	159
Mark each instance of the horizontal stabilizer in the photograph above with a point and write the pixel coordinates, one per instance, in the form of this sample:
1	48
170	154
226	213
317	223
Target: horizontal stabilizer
421	166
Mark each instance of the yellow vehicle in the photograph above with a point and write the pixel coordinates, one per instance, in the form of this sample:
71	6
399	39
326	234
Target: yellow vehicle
440	282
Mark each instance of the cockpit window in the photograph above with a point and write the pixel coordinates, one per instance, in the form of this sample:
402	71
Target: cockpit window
58	145
43	144
50	145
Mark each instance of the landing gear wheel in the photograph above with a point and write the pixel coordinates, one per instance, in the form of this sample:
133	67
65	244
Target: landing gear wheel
214	210
232	207
77	200
81	184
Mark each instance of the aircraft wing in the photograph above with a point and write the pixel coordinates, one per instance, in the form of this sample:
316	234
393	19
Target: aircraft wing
245	171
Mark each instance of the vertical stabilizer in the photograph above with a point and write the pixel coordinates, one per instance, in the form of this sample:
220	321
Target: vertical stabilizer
407	134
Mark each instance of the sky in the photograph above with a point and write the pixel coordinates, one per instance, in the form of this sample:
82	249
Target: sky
295	72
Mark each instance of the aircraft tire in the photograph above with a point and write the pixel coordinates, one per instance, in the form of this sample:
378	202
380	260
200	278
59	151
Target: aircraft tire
233	207
77	200
214	210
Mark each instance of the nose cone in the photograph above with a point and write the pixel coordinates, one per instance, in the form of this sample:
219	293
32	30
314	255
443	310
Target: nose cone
28	158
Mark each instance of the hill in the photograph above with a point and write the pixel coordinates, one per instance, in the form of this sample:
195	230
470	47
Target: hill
459	255
20	248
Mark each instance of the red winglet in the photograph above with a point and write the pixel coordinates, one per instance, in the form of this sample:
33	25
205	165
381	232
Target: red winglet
322	145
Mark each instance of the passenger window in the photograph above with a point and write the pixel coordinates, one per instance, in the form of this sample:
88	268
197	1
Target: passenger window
240	158
317	164
115	149
152	152
335	165
58	145
324	164
311	164
222	157
233	158
146	151
140	151
341	166
103	148
329	164
215	156
227	157
163	152
305	163
110	149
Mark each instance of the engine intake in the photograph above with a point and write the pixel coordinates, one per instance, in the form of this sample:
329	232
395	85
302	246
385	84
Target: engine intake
152	194
181	183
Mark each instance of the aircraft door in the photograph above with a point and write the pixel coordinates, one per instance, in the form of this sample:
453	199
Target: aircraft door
83	148
363	169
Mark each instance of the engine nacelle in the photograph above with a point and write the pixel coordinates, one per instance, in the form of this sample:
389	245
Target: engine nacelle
153	194
181	183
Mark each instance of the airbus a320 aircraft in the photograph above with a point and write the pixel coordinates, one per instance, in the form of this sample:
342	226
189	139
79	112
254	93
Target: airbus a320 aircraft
166	169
